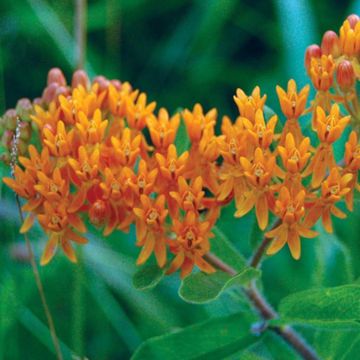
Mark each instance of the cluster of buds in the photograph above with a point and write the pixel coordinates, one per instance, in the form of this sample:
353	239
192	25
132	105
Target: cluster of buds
334	66
9	122
105	154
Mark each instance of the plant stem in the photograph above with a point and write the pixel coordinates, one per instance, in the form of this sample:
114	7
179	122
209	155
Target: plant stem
256	258
267	312
80	32
40	288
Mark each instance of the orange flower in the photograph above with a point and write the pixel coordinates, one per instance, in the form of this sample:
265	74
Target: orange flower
91	131
117	99
162	129
290	209
87	166
23	184
196	121
294	158
292	103
248	105
60	143
350	39
190	245
322	72
259	173
172	166
81	101
53	188
150	229
126	149
48	118
332	190
189	197
329	129
144	181
137	112
260	133
37	162
58	222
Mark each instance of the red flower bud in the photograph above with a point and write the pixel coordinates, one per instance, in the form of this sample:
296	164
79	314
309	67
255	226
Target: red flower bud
49	93
55	75
80	78
102	81
353	20
345	75
97	212
330	44
62	90
311	51
116	84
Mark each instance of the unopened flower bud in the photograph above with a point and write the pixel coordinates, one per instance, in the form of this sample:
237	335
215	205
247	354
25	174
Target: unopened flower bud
102	81
330	44
55	75
49	93
24	109
312	51
353	20
10	119
38	101
345	75
80	78
25	130
61	90
7	138
117	84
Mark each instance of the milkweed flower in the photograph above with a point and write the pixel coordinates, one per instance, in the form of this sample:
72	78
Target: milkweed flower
190	245
258	173
150	230
329	128
102	154
333	188
289	207
248	105
292	105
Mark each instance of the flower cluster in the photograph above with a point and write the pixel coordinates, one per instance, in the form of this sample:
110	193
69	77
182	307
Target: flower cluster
106	155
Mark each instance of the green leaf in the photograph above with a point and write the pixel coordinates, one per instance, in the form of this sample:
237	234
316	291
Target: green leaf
201	288
147	277
210	340
182	141
222	247
322	306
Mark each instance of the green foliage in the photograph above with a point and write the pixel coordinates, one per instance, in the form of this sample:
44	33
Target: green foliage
322	306
147	277
180	52
213	339
201	288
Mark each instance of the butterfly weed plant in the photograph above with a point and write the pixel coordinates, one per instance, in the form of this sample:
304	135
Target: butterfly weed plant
99	152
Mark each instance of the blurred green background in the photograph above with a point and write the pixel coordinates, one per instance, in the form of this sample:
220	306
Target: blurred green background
179	52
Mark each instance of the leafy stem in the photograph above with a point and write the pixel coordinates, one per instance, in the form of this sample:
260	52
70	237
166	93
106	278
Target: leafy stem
264	308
